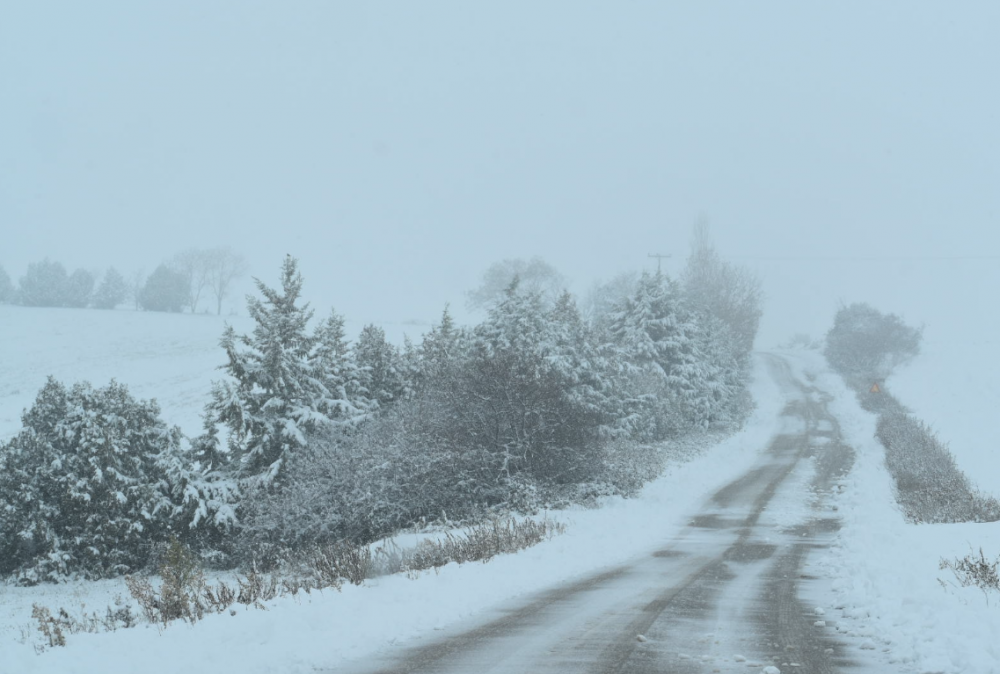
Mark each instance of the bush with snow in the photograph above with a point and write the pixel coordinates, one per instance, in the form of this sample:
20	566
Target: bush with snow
91	483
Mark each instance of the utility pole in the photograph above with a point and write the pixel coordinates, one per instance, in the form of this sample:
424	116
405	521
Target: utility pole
659	260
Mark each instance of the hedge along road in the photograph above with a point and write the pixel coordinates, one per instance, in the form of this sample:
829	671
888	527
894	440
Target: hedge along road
721	596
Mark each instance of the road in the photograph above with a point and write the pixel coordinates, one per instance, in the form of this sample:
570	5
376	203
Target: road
721	596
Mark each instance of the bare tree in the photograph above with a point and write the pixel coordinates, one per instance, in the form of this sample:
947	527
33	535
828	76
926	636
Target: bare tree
196	266
136	282
731	293
225	266
534	275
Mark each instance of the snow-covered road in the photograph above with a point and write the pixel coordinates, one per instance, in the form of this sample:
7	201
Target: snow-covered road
722	595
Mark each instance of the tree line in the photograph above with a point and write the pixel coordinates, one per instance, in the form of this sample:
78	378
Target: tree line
175	285
310	439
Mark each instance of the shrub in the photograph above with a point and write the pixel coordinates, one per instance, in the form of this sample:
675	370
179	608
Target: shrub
929	486
976	571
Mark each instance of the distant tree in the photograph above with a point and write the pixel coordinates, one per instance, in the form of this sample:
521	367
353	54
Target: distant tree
79	288
224	266
534	276
44	285
112	291
603	298
6	287
866	343
165	290
196	265
136	282
731	293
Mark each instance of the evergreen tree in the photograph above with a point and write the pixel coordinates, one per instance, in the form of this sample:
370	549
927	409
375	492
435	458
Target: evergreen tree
6	287
79	288
165	290
439	351
332	361
112	291
378	366
656	336
275	394
44	285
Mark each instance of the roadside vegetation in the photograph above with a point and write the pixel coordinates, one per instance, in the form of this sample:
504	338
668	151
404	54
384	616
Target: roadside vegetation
314	448
865	347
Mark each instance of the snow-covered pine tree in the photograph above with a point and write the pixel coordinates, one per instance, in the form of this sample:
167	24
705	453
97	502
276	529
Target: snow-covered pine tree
112	291
657	338
439	352
378	366
519	392
333	364
275	395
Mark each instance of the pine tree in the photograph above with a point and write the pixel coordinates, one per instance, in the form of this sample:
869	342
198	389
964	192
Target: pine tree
44	285
79	288
112	291
656	336
331	359
275	394
378	366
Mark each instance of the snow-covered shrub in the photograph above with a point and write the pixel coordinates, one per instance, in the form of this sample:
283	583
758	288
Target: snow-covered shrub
87	485
929	486
975	571
366	484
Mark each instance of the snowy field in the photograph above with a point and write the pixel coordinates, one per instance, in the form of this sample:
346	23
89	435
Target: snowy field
954	385
170	357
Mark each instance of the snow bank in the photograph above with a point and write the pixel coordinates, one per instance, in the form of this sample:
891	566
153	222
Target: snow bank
323	630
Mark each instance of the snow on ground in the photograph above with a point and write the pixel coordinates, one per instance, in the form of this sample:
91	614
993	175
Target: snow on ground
307	633
954	385
883	577
170	357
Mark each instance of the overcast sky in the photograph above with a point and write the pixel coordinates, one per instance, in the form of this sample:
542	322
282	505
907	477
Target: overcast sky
399	148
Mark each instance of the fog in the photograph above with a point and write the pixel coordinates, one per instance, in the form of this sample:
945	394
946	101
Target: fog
846	152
